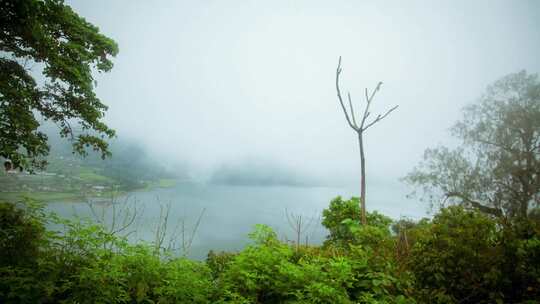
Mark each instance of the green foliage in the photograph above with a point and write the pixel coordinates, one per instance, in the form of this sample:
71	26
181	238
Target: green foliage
455	256
22	238
460	256
137	275
341	219
66	48
186	282
272	272
85	264
466	257
21	234
219	262
520	261
340	210
263	234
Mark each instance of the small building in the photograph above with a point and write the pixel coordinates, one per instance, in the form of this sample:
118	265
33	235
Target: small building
10	167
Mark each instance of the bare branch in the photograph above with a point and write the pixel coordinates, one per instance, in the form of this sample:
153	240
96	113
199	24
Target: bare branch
369	99
194	232
128	221
366	94
478	205
338	72
379	118
352	110
366	109
377	88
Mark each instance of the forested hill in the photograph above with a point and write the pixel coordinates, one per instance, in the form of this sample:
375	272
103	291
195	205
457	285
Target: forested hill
71	177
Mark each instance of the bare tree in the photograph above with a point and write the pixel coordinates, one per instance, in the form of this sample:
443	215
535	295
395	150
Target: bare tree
180	230
120	218
299	225
403	247
360	129
117	218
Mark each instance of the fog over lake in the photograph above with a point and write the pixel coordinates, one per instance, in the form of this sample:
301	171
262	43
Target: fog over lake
237	99
230	212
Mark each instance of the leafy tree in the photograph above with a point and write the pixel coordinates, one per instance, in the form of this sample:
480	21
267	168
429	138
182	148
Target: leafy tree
496	169
48	53
342	221
455	259
466	256
21	232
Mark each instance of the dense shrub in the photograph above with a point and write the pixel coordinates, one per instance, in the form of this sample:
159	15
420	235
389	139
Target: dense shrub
21	234
464	256
460	256
342	221
520	262
86	264
272	272
456	257
219	262
22	243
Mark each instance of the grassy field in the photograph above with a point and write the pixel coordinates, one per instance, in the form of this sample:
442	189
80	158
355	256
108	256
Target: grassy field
161	183
41	196
72	181
71	194
91	176
166	183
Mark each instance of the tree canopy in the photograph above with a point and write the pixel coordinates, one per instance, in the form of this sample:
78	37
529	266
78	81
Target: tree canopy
496	169
47	56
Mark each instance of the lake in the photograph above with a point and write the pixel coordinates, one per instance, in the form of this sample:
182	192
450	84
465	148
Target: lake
230	212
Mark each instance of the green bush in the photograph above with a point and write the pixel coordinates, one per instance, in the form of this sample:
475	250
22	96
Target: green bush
272	272
23	243
131	276
219	262
456	260
22	233
460	256
342	219
186	281
520	261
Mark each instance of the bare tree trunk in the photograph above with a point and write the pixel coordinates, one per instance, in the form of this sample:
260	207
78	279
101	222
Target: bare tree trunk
362	180
299	226
359	129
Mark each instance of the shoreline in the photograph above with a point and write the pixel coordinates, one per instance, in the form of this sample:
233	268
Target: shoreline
72	197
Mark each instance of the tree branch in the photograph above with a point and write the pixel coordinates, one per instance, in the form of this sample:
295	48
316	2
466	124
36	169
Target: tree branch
366	110
338	72
379	118
352	110
486	209
369	99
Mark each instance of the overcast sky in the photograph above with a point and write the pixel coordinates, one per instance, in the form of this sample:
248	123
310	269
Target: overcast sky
212	82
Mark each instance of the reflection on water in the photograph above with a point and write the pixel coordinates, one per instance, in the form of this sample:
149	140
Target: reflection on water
230	212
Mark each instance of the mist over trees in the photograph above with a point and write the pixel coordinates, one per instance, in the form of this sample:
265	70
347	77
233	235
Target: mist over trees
496	169
481	246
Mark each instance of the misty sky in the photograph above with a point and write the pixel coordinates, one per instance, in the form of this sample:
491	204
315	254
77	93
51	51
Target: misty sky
213	82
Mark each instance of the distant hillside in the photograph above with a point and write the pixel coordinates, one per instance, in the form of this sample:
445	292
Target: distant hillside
72	177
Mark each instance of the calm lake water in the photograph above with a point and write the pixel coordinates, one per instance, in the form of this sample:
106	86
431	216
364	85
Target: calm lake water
230	212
